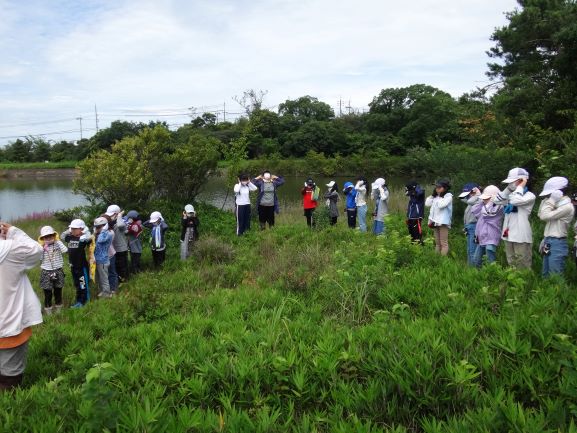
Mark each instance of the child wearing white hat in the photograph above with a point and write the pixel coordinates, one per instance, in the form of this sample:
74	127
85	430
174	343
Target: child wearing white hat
77	237
332	197
557	212
158	229
51	272
189	231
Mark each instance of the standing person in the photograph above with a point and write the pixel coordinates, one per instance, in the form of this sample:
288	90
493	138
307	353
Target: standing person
77	238
51	272
470	196
351	194
103	238
441	214
557	212
19	306
242	192
134	230
574	203
415	210
267	200
309	201
361	203
380	194
158	230
119	243
332	196
489	221
518	203
188	232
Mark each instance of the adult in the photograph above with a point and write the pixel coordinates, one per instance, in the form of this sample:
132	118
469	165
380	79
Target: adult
441	214
557	212
415	210
267	200
309	201
470	196
242	192
518	203
380	194
351	206
19	306
332	197
361	202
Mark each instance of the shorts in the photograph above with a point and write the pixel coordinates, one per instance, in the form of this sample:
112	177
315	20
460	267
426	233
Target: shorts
13	361
46	283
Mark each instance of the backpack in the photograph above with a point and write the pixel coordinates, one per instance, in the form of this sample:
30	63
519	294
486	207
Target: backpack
316	193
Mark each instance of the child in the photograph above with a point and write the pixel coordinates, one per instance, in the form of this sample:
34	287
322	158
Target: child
189	232
157	242
119	243
415	210
470	196
332	196
381	197
361	203
309	202
441	204
51	274
242	192
489	219
77	237
103	239
134	230
351	194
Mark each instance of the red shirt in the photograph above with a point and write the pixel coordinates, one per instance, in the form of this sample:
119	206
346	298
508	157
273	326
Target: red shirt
308	202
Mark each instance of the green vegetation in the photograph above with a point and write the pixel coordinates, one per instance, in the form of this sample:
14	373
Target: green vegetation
299	330
37	165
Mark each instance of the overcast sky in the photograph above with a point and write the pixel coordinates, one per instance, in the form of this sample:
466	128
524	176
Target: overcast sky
138	60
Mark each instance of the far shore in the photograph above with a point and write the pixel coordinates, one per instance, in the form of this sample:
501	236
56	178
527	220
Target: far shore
61	173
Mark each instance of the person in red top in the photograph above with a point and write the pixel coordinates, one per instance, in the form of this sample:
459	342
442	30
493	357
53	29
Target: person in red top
309	204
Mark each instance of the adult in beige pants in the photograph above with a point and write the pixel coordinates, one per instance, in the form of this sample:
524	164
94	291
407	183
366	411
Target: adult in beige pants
441	214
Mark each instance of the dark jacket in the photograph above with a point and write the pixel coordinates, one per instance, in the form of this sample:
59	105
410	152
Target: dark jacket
163	229
189	222
416	206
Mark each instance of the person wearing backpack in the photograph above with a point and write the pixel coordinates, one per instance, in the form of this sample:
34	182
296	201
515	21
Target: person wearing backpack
310	197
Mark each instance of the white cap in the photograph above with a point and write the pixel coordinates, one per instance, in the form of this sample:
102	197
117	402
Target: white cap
100	221
189	208
112	209
553	184
47	231
77	224
331	184
516	174
377	183
490	191
155	216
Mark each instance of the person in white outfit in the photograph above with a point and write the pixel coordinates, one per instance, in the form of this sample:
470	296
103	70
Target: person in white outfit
518	203
19	306
242	192
441	214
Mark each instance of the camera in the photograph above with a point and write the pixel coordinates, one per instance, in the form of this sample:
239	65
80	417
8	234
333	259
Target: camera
53	276
546	249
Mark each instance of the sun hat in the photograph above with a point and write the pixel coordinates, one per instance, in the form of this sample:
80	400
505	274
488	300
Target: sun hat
516	174
553	184
100	221
112	209
189	208
378	183
490	191
155	217
77	224
47	231
443	183
132	214
468	188
348	185
331	184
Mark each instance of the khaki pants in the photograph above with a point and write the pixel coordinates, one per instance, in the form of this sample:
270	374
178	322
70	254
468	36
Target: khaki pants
519	254
441	239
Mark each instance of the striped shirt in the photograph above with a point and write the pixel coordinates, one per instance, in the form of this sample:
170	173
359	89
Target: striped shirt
52	256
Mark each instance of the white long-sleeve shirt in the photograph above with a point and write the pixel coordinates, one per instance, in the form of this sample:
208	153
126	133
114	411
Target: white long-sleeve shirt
242	193
441	209
516	225
19	305
361	197
557	215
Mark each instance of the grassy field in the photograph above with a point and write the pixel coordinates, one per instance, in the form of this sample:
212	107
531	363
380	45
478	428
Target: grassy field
37	165
296	330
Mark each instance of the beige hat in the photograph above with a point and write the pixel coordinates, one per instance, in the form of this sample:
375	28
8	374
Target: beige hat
47	231
490	191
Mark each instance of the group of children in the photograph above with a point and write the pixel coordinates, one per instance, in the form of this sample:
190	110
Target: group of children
102	256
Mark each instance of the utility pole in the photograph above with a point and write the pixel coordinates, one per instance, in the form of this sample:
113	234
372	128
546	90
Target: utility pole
340	107
96	117
80	119
224	111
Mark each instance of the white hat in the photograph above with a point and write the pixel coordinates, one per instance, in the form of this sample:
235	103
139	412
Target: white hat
377	183
553	184
490	191
47	231
331	184
155	216
112	209
516	174
100	221
77	224
189	208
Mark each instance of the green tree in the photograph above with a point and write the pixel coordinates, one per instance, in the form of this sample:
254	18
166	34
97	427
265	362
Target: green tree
19	151
304	109
322	137
40	149
119	129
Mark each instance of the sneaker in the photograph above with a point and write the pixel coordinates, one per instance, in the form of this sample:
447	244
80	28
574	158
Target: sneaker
105	295
48	311
78	305
57	308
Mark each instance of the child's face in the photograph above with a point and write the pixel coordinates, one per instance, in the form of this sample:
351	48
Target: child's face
76	232
48	239
440	189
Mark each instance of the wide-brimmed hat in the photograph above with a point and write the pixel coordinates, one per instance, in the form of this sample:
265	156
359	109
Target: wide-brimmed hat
77	224
47	231
553	184
189	208
378	183
516	174
468	188
155	217
490	191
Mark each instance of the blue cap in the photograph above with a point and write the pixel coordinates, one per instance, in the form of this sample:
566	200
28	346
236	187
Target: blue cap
468	188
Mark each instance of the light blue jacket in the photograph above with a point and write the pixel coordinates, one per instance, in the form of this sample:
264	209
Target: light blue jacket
101	249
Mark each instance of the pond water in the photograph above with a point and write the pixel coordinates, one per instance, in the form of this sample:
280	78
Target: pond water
23	197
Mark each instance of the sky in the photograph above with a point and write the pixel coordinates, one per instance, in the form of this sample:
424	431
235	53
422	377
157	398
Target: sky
66	63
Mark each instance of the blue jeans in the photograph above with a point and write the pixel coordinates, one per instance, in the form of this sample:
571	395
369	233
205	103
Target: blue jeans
112	275
378	227
362	217
554	262
471	245
481	250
